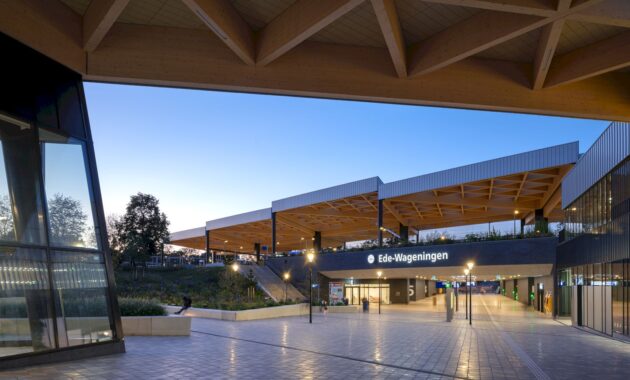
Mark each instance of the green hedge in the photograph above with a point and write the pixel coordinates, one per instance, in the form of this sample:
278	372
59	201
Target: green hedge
134	307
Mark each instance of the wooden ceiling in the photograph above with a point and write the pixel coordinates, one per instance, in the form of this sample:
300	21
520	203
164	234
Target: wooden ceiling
491	200
355	218
553	57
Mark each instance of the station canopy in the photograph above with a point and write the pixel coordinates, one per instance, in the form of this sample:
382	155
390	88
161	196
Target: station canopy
503	189
551	57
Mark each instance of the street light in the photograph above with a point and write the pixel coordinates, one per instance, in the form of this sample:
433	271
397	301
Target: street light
224	250
470	266
286	277
515	213
310	259
379	274
235	267
466	271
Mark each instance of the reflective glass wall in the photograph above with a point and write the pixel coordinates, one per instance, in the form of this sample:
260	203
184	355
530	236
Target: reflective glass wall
56	281
596	255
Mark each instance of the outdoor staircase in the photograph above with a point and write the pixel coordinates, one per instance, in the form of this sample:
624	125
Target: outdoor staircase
270	283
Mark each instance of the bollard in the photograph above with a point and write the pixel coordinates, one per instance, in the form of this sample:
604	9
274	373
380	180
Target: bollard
434	300
450	304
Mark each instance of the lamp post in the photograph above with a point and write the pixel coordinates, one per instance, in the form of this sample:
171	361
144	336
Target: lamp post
456	295
235	269
224	250
310	258
514	233
466	271
286	277
379	274
470	267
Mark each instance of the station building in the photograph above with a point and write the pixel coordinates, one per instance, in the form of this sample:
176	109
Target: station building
580	270
483	55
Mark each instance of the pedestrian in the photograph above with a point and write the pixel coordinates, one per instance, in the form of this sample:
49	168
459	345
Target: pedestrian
187	304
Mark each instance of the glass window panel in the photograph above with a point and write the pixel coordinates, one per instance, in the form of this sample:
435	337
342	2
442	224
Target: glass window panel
81	297
21	211
69	199
26	324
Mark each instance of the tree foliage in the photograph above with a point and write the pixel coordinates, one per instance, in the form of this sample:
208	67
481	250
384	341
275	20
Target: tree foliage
113	238
142	231
7	231
67	221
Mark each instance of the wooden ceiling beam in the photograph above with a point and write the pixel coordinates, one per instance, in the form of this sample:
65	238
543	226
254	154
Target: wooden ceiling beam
477	33
50	27
542	8
300	21
466	222
592	60
459	217
555	185
520	187
332	213
547	44
176	57
466	38
392	210
387	17
370	202
554	201
223	19
291	222
98	19
609	12
454	199
529	217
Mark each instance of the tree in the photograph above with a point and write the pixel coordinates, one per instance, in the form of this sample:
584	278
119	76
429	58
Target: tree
143	230
113	238
67	221
7	231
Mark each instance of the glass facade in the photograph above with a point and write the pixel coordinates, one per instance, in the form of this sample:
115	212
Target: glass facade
356	293
53	282
594	282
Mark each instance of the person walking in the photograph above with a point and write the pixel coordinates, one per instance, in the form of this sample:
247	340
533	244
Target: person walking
187	304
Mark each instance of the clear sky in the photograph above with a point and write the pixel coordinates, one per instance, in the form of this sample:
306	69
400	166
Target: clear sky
212	154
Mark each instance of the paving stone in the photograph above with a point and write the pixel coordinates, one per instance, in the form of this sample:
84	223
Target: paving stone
506	341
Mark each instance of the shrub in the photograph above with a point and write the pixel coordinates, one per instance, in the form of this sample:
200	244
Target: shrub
132	307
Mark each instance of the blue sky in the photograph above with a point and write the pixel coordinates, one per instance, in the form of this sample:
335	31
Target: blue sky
211	154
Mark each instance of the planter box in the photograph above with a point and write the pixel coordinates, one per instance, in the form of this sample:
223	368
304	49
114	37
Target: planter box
156	326
343	309
245	315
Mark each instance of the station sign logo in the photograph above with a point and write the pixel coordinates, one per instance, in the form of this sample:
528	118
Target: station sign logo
407	258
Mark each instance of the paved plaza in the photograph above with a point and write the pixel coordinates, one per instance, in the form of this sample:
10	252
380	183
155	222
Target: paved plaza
506	341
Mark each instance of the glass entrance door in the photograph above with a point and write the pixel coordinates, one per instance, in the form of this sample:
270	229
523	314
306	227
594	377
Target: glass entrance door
355	293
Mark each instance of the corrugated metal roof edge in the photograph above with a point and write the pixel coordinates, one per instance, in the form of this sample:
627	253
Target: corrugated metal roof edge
306	199
242	218
386	190
188	234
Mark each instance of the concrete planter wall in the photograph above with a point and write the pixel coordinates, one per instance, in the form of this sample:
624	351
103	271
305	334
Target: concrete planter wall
245	315
342	309
156	326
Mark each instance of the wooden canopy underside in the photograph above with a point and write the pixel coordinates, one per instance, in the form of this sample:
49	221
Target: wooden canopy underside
355	218
552	57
